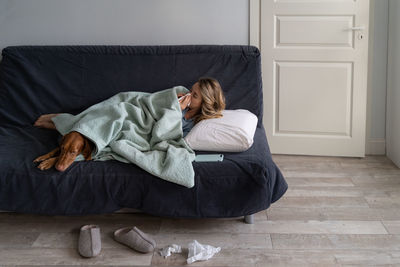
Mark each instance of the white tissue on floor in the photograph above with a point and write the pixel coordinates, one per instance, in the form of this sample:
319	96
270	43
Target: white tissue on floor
199	252
166	252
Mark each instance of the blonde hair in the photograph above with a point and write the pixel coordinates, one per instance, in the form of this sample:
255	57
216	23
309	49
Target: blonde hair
213	99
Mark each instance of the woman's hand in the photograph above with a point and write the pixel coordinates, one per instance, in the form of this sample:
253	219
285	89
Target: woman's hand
184	101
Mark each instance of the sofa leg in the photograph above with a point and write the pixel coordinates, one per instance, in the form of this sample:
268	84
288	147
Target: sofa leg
249	219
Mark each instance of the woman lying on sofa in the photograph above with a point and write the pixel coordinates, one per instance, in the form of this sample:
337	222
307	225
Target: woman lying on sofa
205	100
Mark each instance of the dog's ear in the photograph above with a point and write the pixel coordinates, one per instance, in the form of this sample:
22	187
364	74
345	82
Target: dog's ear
87	149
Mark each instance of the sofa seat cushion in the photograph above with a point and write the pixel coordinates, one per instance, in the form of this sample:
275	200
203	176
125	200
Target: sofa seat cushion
241	184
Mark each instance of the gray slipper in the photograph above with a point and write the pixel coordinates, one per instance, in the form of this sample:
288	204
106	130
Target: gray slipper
89	241
136	239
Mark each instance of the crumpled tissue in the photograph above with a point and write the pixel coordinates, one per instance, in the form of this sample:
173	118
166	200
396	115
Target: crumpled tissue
166	252
199	252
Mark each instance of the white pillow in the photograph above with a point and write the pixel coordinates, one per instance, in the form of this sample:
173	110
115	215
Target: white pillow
234	132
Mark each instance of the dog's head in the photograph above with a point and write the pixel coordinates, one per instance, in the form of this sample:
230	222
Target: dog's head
72	145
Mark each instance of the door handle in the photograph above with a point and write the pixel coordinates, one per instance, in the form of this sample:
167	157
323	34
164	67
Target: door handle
358	28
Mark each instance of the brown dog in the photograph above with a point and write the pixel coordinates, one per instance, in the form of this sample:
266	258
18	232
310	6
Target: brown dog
62	157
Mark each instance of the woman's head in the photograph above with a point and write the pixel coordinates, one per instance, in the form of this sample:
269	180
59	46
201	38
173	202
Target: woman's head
208	97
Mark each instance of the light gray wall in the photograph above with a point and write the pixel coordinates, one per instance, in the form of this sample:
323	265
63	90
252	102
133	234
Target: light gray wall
393	99
378	69
123	22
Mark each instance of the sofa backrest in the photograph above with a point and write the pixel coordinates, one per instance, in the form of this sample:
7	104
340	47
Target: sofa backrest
53	79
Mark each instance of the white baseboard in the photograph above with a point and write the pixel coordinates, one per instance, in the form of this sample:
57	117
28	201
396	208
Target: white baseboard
375	146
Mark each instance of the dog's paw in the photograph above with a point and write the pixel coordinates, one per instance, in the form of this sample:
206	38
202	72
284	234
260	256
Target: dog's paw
51	154
48	163
41	158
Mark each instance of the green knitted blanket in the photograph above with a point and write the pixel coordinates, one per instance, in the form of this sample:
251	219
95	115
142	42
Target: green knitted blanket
140	128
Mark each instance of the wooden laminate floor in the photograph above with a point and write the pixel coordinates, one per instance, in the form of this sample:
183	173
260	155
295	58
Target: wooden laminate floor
336	212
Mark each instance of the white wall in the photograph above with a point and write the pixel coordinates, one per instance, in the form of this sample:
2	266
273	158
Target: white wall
123	22
393	94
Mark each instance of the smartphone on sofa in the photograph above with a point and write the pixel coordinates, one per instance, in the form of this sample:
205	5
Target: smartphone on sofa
209	157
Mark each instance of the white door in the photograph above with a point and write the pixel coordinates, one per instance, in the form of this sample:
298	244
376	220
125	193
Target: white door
314	63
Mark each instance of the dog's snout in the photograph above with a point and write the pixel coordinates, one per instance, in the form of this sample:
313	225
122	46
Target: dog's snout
65	160
61	167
